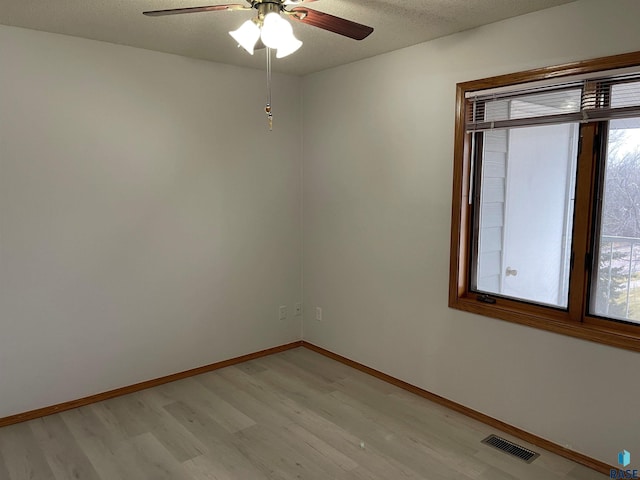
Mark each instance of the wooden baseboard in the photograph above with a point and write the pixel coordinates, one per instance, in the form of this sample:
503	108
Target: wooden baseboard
492	422
42	412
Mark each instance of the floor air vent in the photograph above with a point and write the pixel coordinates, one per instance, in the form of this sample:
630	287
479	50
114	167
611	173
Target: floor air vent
511	448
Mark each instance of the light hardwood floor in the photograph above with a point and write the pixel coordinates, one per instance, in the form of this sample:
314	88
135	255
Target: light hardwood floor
293	415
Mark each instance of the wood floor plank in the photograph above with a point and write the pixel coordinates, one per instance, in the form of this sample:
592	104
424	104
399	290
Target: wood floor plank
218	441
193	392
65	457
580	472
280	365
279	457
514	466
377	438
448	425
271	407
261	408
23	456
98	442
148	457
328	370
227	415
178	440
88	428
436	437
295	415
204	468
310	442
118	418
4	473
396	440
250	367
493	473
170	433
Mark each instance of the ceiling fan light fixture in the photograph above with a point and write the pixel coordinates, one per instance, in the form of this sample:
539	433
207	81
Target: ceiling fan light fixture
272	31
247	35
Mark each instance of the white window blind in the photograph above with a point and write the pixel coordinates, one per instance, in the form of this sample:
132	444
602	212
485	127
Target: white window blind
570	100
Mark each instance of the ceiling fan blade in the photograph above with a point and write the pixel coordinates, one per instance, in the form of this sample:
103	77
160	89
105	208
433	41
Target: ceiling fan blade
332	23
210	8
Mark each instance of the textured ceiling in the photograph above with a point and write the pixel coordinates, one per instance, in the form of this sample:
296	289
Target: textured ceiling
397	23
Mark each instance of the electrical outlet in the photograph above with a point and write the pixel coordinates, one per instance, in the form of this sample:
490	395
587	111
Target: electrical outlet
318	314
298	309
283	312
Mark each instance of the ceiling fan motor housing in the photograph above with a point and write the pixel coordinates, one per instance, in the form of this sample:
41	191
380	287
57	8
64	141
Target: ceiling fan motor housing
266	7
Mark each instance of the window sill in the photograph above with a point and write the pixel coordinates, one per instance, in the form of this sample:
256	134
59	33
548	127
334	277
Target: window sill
591	329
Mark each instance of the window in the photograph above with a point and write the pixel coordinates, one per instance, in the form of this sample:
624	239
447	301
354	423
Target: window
546	199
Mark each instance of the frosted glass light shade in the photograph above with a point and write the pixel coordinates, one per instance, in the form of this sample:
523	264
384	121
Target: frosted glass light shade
274	30
247	35
291	45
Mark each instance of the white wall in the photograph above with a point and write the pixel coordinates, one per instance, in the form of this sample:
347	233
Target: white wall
378	150
149	222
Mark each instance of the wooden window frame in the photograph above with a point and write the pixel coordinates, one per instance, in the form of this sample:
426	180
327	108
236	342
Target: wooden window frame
575	320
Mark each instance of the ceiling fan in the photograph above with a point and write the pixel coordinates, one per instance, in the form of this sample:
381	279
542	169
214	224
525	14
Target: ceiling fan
270	29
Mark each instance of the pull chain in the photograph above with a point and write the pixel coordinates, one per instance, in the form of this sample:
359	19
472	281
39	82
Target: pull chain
267	108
